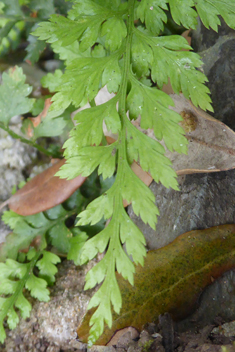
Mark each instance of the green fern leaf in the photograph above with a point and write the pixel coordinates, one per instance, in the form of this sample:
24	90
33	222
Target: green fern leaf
37	288
210	10
46	266
182	13
88	160
14	95
26	228
76	245
14	277
153	14
85	133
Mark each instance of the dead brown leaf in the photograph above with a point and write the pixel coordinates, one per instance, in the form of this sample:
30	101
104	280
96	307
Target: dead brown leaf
43	192
186	35
171	280
211	143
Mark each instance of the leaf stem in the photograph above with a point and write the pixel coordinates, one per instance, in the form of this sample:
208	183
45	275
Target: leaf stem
123	88
20	18
29	142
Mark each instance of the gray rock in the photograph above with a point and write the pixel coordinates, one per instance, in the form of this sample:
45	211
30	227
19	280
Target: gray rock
102	349
145	340
203	38
218	55
227	329
204	200
218	300
15	157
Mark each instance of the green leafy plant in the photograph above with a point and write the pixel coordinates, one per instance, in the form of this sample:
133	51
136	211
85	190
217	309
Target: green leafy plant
119	44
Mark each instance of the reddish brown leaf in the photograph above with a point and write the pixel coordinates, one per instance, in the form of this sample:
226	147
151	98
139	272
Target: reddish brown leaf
171	280
43	192
186	34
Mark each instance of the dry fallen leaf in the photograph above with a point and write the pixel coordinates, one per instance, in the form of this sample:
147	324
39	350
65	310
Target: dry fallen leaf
211	143
43	192
171	280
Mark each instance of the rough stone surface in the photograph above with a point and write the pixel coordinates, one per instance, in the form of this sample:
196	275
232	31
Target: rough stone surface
218	54
204	200
227	329
203	38
15	157
216	302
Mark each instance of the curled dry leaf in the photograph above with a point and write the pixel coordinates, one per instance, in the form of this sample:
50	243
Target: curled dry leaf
211	143
171	280
43	192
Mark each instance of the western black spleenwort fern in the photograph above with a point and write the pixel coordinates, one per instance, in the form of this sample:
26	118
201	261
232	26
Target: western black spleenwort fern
129	53
119	44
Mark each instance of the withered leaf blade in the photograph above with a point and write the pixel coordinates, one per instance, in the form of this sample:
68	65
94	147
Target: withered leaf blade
171	280
211	143
43	192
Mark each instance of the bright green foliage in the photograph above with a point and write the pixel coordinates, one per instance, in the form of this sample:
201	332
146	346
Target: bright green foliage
15	276
183	13
49	228
52	80
26	228
76	245
123	58
209	11
14	95
20	16
46	266
117	44
14	101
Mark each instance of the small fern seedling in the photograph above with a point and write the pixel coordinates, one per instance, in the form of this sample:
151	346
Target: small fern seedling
15	277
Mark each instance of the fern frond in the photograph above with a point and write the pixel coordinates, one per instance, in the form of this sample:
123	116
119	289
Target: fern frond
14	277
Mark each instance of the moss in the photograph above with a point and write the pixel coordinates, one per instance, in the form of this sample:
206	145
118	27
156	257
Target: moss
147	345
